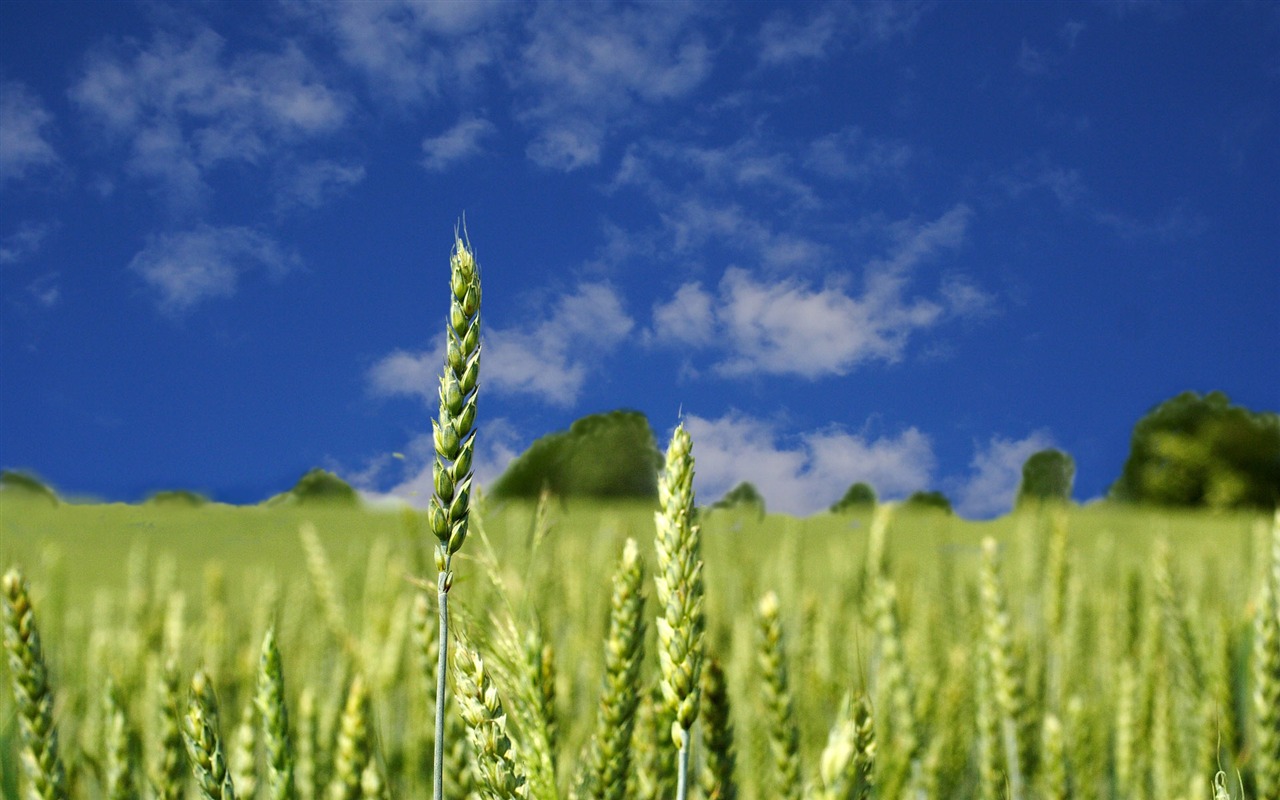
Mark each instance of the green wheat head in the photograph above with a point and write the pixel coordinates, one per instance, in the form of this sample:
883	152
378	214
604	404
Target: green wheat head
46	779
679	587
454	431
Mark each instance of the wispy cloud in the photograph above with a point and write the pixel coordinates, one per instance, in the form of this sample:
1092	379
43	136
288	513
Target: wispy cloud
410	52
186	269
24	133
789	327
822	30
459	143
994	474
314	183
548	359
587	69
850	154
182	106
805	473
25	241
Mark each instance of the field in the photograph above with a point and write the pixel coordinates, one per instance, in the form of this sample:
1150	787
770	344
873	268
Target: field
1092	653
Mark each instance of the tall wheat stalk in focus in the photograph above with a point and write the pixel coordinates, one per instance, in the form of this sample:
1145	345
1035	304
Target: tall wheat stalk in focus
454	435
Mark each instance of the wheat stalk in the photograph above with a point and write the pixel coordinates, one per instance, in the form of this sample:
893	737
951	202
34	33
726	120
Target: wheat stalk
46	779
680	595
454	438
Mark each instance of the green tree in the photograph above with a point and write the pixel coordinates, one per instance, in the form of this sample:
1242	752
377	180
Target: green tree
922	501
1047	476
859	496
1201	451
743	496
612	455
178	498
318	486
24	485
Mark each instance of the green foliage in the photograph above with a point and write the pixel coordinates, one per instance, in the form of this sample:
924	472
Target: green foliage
743	496
1200	451
178	498
24	485
612	455
860	496
923	501
1047	476
318	487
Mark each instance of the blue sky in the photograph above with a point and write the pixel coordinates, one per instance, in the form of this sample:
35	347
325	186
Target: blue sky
903	243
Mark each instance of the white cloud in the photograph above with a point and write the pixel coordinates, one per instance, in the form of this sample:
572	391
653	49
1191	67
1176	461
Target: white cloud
548	359
994	474
24	242
182	106
788	327
806	473
589	68
833	26
459	143
186	269
24	123
314	183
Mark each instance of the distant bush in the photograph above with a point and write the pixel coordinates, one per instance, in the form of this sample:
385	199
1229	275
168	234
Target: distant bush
612	455
859	496
26	486
744	496
318	486
936	501
178	498
1047	476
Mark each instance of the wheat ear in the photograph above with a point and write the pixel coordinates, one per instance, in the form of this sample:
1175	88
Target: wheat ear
353	751
487	728
610	759
454	436
784	737
119	751
169	771
204	748
719	758
1266	677
46	779
680	594
274	714
998	645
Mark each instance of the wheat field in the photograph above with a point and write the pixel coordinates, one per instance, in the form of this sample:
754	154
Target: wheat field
1095	652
